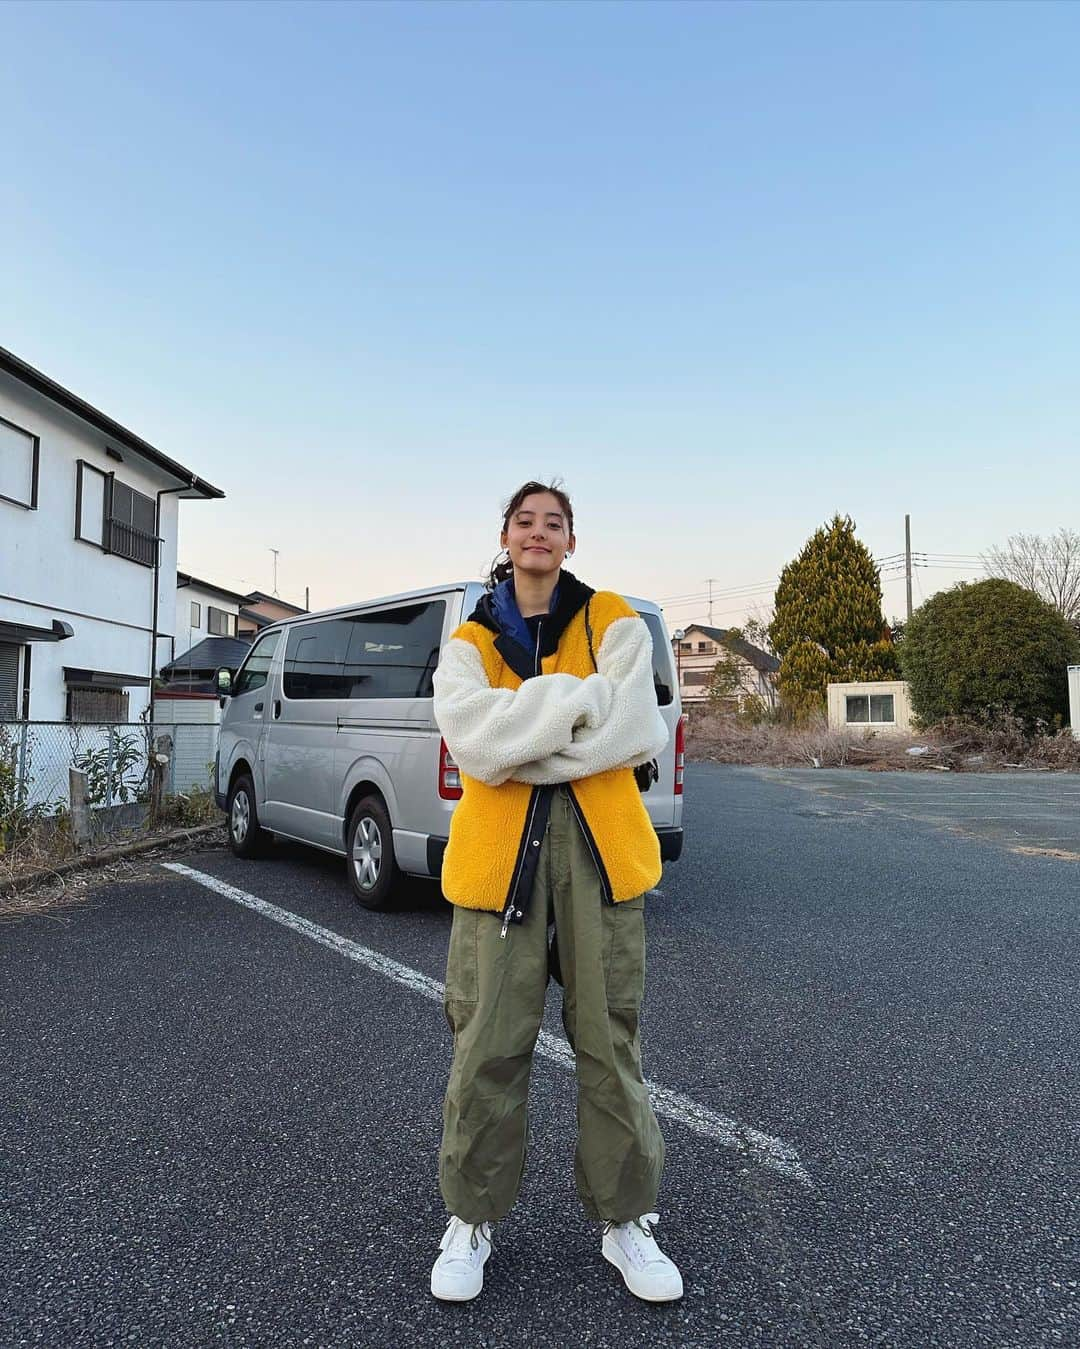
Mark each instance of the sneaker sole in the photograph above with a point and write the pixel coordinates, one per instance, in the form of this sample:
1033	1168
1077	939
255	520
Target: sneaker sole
614	1256
450	1297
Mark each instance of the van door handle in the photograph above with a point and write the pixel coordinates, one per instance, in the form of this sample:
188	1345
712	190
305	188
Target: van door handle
257	708
277	708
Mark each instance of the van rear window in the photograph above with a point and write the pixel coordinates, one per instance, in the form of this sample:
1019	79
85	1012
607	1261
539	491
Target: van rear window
662	671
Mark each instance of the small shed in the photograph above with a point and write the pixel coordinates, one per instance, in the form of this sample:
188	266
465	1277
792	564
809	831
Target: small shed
874	705
191	720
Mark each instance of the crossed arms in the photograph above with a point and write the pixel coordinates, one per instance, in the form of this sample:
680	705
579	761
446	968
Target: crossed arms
555	727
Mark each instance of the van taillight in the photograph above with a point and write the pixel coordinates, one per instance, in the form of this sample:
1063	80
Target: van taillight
449	777
680	753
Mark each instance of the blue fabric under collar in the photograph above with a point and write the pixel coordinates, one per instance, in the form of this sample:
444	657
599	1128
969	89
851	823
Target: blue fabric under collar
508	615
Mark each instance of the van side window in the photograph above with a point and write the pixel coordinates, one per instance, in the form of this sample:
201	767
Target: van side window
255	669
314	659
662	672
393	652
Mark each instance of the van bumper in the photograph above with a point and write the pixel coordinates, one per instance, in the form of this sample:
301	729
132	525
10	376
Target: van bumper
435	849
670	844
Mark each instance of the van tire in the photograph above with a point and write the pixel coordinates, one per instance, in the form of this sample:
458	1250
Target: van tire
247	838
373	870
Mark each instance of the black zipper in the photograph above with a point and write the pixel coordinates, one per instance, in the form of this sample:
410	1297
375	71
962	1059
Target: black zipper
605	883
514	910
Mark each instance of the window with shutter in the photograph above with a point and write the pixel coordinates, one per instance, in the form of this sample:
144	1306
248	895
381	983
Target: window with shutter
9	681
129	524
90	705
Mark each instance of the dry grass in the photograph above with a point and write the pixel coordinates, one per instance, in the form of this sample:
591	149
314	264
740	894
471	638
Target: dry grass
956	746
37	845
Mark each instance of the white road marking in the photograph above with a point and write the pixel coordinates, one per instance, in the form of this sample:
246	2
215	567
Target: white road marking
771	1153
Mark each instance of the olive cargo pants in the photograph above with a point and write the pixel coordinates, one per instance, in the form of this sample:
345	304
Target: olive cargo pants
494	1003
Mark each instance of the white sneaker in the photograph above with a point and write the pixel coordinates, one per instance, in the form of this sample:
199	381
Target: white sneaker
646	1270
458	1274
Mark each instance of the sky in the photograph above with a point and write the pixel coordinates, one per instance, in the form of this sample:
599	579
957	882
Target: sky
725	269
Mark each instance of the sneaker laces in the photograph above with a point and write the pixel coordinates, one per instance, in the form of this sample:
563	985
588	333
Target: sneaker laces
453	1244
645	1225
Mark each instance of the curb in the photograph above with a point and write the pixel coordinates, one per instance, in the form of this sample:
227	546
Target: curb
107	855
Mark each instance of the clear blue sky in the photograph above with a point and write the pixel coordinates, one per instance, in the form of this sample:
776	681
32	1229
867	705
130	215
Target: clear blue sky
725	268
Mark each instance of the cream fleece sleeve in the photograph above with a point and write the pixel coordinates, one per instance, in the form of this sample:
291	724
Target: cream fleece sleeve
633	732
492	732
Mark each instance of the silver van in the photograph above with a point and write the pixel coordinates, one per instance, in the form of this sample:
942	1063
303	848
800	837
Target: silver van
328	737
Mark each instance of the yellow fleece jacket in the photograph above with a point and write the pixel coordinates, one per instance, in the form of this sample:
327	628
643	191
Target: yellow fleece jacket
515	733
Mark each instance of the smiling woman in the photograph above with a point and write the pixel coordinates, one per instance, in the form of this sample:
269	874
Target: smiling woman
546	700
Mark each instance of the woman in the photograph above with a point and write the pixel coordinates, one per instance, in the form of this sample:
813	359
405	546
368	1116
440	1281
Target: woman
545	699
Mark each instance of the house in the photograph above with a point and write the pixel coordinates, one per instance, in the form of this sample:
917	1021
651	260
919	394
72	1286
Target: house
204	609
207	619
697	652
88	533
261	610
882	705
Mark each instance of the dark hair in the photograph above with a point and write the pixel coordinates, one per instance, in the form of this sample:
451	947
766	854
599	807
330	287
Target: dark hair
500	570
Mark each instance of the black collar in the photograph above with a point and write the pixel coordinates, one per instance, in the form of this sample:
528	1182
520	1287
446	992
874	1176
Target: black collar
573	596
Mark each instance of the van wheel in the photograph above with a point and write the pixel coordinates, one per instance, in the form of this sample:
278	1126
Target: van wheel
373	871
246	837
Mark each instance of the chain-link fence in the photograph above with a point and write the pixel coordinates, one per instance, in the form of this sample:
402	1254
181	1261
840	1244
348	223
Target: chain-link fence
133	777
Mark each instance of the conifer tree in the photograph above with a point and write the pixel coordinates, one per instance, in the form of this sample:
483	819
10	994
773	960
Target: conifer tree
827	626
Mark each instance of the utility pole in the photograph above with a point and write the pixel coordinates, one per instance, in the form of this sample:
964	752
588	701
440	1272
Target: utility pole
907	561
275	552
307	598
709	581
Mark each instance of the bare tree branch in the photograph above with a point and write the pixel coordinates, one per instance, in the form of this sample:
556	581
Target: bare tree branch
1050	566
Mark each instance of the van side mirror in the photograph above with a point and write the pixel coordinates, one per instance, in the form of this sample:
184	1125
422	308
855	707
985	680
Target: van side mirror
224	683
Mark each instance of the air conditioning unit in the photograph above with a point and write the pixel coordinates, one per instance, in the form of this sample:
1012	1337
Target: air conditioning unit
1074	699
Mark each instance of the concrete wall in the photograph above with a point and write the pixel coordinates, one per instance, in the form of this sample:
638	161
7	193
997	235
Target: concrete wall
1074	699
46	573
837	702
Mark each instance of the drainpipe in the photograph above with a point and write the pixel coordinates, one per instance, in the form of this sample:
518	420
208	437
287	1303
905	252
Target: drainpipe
165	491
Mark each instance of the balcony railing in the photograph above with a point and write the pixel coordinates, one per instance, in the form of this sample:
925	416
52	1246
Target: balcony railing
125	540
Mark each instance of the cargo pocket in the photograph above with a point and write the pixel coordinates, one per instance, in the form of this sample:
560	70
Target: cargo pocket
463	963
624	963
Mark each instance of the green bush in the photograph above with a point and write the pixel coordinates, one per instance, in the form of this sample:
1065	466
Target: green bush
980	650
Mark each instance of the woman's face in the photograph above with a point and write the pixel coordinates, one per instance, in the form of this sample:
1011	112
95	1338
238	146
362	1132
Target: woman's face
536	536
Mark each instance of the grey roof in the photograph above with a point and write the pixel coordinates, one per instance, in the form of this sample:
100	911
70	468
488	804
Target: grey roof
760	660
256	595
184	578
34	379
210	654
260	620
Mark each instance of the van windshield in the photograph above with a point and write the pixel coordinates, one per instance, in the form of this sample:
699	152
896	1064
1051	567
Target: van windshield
662	671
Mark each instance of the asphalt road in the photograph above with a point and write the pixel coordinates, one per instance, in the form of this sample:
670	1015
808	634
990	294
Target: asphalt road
219	1130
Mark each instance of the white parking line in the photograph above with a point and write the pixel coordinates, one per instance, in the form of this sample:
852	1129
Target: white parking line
771	1153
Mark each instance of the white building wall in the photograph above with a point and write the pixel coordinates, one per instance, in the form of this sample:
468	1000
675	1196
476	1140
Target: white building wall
187	635
46	573
837	695
1074	699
